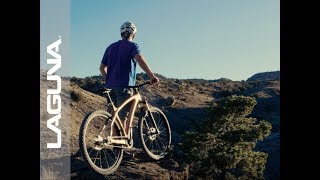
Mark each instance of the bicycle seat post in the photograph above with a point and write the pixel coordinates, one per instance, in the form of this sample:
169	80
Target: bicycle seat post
110	102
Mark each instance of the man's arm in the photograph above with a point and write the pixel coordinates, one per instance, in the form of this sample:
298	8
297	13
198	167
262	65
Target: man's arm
103	70
143	64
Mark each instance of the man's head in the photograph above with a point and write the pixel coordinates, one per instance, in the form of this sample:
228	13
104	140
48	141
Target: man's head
128	30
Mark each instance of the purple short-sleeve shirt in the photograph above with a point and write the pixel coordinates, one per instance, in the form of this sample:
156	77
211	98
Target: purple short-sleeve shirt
121	65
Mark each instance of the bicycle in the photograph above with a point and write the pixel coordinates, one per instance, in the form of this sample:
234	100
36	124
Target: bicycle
103	136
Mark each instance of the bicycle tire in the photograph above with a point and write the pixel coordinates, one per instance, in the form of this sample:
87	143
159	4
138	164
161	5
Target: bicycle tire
84	149
164	139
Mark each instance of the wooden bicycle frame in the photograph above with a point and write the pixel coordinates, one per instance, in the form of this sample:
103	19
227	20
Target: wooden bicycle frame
135	99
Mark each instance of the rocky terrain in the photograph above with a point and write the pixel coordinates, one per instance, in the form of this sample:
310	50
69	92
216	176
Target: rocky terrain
183	101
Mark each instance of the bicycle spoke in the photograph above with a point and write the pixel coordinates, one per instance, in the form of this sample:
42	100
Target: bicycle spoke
150	143
164	143
95	158
162	129
154	145
114	154
105	157
111	157
163	134
90	151
160	139
157	144
159	119
161	125
100	160
146	139
163	148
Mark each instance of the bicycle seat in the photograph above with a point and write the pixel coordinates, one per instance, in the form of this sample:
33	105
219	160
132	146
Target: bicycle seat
106	91
103	90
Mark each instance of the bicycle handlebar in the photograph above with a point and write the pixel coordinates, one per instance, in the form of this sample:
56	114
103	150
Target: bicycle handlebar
137	86
140	85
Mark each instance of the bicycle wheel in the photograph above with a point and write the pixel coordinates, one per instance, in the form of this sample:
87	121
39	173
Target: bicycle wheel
155	145
94	130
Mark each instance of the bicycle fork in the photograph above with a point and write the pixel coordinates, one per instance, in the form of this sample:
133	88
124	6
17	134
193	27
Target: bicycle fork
146	108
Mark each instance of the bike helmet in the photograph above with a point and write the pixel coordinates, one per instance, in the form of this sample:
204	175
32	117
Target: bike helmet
128	27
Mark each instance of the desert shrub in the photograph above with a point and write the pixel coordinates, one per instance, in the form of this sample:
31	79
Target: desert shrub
180	87
76	96
222	145
49	174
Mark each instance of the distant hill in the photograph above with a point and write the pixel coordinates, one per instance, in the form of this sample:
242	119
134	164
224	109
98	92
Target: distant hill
221	80
264	76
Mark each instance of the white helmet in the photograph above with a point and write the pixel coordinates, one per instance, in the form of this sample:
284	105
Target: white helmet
128	27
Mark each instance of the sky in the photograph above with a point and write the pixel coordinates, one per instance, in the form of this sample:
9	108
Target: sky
208	39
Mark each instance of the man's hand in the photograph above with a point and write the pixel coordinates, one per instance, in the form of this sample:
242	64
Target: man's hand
103	71
154	80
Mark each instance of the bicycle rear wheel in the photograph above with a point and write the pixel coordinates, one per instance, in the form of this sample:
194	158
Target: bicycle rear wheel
154	144
94	131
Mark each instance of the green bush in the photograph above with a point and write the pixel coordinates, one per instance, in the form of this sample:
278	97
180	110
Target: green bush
76	96
222	145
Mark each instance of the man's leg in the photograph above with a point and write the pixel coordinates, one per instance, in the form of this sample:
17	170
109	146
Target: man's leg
118	96
122	94
113	99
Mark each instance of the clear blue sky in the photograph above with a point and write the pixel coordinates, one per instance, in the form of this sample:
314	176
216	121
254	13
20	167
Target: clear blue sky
206	39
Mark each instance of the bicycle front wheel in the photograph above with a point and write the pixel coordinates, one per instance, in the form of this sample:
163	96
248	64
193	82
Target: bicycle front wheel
155	144
94	131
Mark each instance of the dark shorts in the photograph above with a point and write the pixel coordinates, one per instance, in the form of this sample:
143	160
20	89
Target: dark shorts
118	96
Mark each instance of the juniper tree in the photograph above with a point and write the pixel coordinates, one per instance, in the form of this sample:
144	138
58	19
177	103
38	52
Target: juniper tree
222	147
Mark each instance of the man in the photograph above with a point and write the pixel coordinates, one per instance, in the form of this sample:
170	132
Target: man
118	66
